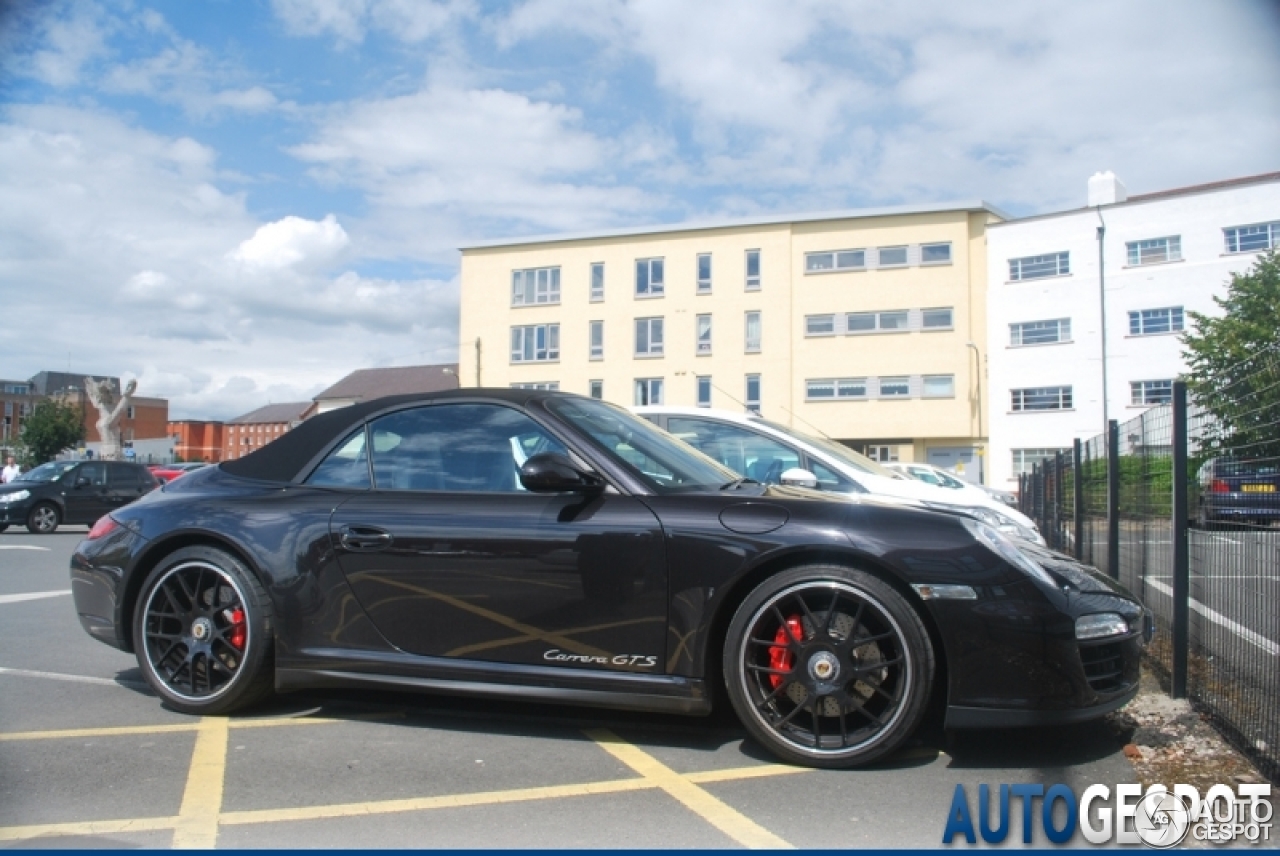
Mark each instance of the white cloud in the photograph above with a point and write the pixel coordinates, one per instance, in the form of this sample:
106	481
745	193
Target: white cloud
52	43
293	242
349	20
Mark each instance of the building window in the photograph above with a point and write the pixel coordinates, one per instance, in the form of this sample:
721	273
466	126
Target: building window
704	273
550	385
648	337
838	388
883	454
1250	239
1041	398
535	343
935	254
1155	251
835	260
595	389
597	281
892	256
704	390
1039	267
895	387
648	390
1025	459
1149	322
536	285
820	325
704	334
597	340
649	279
1145	392
753	332
870	322
936	319
1040	332
939	386
753	393
753	270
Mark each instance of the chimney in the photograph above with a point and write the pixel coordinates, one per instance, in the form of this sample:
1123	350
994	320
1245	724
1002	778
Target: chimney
1106	189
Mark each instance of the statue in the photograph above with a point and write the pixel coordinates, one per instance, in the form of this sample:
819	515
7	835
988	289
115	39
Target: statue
103	395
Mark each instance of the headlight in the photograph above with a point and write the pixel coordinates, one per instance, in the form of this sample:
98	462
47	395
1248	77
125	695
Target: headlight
1100	626
16	496
1000	544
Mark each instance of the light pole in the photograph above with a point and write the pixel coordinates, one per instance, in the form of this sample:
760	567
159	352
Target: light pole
1102	303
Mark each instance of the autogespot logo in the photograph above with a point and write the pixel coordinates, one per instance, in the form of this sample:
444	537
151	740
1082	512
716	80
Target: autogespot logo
1160	817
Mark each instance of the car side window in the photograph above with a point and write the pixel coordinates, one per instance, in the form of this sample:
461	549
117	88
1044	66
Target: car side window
740	449
95	473
456	448
829	479
346	466
124	477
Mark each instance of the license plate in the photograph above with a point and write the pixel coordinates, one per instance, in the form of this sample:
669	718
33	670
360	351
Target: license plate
1258	488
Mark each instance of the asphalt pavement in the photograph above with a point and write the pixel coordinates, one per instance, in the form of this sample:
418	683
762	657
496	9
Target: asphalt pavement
89	758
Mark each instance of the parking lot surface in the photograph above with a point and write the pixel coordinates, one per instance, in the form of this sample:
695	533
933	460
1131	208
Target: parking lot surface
89	758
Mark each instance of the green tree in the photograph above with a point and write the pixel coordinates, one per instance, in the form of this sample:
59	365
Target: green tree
1234	363
51	427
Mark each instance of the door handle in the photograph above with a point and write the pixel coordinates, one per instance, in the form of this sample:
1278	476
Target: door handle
364	539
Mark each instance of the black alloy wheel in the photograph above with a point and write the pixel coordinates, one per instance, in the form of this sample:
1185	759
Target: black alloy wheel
44	518
828	666
203	634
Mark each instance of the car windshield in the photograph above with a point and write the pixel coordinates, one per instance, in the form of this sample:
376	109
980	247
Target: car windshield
47	472
841	452
664	462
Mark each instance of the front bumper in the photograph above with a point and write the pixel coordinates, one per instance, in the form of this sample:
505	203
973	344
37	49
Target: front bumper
98	586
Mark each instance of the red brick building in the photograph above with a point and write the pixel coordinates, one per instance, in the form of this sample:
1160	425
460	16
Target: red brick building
257	428
198	440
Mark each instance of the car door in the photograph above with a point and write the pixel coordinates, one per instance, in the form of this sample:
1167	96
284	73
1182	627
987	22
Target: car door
84	492
125	483
451	557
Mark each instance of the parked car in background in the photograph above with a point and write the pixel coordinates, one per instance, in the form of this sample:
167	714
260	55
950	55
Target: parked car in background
71	492
765	451
542	546
929	474
169	472
1237	490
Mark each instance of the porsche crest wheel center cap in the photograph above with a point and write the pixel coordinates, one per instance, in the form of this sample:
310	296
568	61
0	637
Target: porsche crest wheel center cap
201	629
824	667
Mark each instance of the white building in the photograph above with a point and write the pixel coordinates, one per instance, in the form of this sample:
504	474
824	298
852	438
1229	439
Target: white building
1163	255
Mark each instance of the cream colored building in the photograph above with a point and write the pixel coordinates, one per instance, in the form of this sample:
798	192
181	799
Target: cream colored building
868	325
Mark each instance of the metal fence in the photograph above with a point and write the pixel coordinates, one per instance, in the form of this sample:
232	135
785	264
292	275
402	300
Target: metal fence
1182	510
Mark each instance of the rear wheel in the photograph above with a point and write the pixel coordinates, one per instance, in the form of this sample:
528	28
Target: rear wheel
828	666
44	518
203	631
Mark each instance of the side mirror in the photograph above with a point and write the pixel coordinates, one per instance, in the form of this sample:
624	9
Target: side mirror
550	472
797	477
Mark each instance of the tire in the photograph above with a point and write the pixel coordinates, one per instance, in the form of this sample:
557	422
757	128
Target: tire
849	687
44	518
3	526
195	651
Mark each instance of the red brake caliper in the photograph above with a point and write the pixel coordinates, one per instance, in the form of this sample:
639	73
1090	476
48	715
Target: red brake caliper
239	630
780	656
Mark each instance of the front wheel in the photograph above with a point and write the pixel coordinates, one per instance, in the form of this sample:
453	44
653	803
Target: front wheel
203	632
828	666
43	519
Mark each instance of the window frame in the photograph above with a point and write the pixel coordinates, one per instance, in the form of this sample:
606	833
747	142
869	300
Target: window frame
703	284
701	381
752	402
1065	397
748	346
650	385
893	248
597	282
595	389
550	332
752	281
1140	392
650	323
552	289
924	248
1061	325
1272	237
1141	319
651	288
1135	255
1061	260
595	340
702	338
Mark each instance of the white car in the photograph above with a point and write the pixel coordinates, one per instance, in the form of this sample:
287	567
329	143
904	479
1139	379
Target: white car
775	454
929	474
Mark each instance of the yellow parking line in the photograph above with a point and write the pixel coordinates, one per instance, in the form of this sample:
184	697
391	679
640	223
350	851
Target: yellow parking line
734	774
124	730
197	824
85	827
728	820
319	812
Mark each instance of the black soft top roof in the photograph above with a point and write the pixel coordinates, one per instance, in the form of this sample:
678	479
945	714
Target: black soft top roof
285	459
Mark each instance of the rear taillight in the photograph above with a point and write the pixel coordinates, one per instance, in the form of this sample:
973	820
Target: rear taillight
104	527
1219	486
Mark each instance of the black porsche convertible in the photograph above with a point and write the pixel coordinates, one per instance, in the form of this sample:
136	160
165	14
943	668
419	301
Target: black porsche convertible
551	547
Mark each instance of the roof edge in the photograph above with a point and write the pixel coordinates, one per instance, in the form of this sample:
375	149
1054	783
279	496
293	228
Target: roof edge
709	225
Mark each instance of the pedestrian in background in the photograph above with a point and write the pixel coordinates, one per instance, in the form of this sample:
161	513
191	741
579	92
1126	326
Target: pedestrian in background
11	470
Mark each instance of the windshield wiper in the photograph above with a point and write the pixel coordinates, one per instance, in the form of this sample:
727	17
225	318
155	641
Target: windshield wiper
737	483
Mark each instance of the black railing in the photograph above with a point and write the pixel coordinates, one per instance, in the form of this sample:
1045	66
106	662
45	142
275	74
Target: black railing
1186	518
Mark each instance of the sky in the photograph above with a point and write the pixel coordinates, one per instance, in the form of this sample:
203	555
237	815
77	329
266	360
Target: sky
239	202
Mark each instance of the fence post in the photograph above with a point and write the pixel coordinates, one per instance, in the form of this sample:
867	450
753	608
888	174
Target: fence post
1059	530
1077	499
1181	548
1113	499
